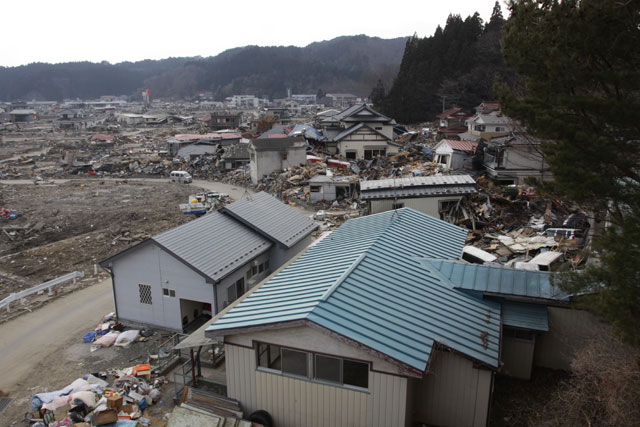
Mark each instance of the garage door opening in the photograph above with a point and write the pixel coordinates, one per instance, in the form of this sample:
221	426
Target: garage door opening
194	314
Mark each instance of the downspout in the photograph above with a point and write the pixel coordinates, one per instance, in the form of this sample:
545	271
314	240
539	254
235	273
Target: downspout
113	285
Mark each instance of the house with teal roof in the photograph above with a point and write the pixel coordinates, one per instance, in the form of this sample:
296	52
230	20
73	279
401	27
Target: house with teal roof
380	324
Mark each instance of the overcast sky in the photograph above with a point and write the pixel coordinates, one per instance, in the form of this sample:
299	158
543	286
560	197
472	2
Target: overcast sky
131	30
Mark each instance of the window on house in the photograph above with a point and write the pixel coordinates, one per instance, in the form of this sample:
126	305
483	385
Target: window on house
254	270
236	290
145	294
248	274
295	362
284	156
314	188
168	292
269	356
260	268
397	205
318	367
446	205
479	128
442	159
350	155
328	369
370	154
499	129
378	128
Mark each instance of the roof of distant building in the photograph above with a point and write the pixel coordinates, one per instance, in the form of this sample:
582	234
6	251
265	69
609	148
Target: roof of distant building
278	144
419	186
468	147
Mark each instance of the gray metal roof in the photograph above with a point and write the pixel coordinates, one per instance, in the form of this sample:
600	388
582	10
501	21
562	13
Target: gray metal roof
417	181
271	218
214	244
417	186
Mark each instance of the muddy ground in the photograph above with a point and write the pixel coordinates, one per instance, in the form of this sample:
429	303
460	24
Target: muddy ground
73	226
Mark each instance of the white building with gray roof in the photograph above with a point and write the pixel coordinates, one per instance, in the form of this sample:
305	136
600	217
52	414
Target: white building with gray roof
198	268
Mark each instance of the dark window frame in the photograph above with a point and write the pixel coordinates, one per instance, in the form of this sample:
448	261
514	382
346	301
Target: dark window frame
311	365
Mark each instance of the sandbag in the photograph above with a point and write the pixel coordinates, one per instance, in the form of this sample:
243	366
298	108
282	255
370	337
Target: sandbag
127	337
107	340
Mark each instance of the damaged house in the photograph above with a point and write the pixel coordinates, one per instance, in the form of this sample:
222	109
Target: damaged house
359	132
275	152
454	154
378	324
197	268
433	195
512	158
188	146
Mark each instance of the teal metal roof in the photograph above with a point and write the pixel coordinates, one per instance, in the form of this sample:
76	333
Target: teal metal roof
496	279
364	282
525	316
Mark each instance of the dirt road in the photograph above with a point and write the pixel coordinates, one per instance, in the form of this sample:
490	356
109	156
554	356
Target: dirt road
28	339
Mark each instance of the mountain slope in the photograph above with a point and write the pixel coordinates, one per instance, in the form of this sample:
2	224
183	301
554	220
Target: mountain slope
349	64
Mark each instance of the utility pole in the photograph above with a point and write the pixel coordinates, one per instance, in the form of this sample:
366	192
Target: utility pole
443	98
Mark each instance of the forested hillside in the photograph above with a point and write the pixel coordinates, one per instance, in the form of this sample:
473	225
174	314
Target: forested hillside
458	64
345	64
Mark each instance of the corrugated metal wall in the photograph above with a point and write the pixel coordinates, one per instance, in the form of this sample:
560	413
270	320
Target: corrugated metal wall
240	364
568	330
454	393
298	403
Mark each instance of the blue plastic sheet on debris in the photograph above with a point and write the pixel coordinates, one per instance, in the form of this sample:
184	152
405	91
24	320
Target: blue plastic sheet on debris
89	336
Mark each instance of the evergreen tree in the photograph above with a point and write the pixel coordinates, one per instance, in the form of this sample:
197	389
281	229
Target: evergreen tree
377	96
578	65
459	62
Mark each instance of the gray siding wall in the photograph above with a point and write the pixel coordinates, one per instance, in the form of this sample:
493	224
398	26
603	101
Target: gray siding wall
152	266
428	205
280	255
459	160
569	330
453	393
240	273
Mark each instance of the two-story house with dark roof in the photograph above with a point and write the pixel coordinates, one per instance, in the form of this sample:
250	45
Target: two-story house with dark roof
359	132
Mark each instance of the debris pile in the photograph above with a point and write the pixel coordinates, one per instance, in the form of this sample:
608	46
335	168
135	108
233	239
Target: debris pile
93	401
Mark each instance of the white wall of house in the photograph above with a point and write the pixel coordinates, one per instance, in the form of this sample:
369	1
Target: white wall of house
428	205
519	162
450	158
264	163
161	270
453	393
298	402
569	330
366	139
